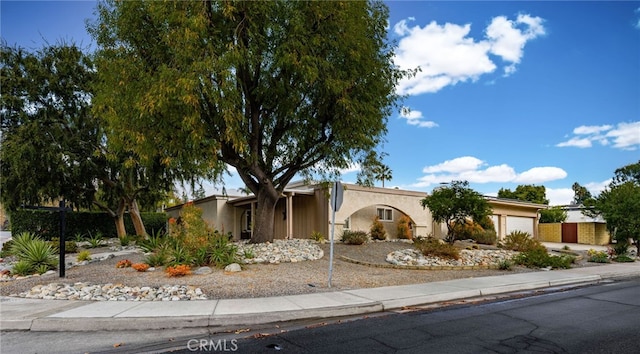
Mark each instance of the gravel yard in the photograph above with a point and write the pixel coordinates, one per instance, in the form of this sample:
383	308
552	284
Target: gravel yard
260	280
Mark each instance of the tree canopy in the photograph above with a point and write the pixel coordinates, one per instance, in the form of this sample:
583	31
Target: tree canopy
55	147
274	89
553	214
526	193
580	194
456	203
48	132
619	204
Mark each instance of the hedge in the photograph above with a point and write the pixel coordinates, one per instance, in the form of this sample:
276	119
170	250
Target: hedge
46	224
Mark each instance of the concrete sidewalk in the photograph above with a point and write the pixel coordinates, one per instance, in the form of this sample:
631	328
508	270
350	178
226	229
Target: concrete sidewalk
68	315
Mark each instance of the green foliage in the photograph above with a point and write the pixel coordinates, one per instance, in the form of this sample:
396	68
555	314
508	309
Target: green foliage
157	259
307	66
526	193
152	242
454	204
520	241
403	231
6	249
48	130
580	194
126	240
432	247
354	237
69	246
553	214
317	236
83	256
95	240
79	224
23	268
377	230
623	258
597	256
34	251
486	237
505	265
540	258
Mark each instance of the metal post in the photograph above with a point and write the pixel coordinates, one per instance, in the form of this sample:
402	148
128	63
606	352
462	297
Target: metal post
333	223
61	264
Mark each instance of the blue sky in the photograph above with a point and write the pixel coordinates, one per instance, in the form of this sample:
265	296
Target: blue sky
509	93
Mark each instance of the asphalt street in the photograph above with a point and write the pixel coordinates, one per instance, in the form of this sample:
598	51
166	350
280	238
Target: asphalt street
602	318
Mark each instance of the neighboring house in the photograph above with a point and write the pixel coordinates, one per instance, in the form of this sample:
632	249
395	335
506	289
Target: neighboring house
577	228
304	209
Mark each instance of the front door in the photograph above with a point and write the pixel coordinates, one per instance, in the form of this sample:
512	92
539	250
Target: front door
570	232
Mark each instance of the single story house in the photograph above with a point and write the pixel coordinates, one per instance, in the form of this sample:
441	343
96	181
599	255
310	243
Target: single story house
304	209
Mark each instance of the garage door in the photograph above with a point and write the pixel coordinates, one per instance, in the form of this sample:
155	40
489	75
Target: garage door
518	223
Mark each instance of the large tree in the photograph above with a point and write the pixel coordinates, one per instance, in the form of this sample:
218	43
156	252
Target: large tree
526	192
48	132
580	194
274	89
619	204
455	204
55	148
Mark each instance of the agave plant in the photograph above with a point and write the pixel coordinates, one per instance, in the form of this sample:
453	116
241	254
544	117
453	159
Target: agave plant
34	252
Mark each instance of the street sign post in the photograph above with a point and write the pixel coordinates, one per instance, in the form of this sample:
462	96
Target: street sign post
336	202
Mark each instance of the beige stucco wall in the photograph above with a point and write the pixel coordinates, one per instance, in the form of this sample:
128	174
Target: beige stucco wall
361	202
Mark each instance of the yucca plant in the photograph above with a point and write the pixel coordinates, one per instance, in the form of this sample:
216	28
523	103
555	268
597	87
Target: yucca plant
34	251
22	268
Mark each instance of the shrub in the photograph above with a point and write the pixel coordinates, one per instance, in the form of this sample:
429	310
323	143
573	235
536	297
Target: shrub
486	237
623	258
153	242
126	240
34	251
597	256
6	249
432	247
95	240
69	246
317	236
540	258
83	256
125	263
466	230
377	230
222	252
157	259
403	228
354	237
180	255
521	241
621	247
178	270
22	268
140	267
505	265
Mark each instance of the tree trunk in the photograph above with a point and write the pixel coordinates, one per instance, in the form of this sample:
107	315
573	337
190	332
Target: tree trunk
134	212
265	214
118	217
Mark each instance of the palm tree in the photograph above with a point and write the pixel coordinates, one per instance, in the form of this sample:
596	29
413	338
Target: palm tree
382	172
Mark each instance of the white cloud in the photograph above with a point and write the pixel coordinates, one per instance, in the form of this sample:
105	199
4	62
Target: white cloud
638	22
416	118
625	136
353	167
564	196
540	174
474	170
447	55
559	196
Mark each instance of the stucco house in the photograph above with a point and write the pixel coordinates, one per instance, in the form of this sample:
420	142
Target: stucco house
304	209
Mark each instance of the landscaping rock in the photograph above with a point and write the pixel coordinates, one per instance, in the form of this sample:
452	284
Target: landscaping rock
233	267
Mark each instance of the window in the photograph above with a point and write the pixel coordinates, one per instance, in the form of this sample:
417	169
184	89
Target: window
385	214
246	220
347	223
